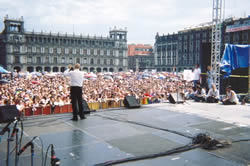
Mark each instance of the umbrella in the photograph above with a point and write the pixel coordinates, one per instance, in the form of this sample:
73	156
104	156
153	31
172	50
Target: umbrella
90	75
2	70
36	73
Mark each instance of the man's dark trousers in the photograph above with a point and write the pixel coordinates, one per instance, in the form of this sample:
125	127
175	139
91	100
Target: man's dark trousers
76	98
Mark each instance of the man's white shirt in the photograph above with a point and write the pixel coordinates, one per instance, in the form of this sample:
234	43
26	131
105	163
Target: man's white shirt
76	77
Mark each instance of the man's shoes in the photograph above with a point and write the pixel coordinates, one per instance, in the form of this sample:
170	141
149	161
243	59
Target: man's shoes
83	117
74	119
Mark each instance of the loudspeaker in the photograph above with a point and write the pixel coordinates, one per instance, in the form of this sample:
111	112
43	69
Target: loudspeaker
8	113
131	102
175	98
85	107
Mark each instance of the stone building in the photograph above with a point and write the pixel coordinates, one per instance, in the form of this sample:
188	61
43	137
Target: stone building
140	57
31	51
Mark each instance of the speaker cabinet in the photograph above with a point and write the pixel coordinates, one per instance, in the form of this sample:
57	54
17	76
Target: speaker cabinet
175	98
8	113
131	102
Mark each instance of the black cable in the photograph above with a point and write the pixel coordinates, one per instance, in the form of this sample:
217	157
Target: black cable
150	156
46	154
147	125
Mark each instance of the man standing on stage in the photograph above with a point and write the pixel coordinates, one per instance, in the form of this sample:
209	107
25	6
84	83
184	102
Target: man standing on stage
76	82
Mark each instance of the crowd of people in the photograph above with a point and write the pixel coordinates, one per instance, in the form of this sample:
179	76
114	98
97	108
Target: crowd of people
34	89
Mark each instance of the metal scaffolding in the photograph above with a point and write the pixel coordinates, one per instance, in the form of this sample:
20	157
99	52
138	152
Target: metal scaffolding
216	42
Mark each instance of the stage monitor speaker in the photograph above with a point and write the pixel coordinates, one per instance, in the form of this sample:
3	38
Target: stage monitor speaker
8	113
85	106
131	102
175	98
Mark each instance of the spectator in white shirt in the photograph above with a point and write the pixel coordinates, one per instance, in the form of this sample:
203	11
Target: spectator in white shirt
197	75
76	82
231	97
213	95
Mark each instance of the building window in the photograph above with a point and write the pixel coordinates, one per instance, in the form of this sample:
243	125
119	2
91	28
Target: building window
38	60
63	60
108	52
98	61
66	51
85	60
29	59
81	51
91	61
88	51
42	50
111	62
47	60
101	52
55	60
74	51
92	52
33	49
95	52
78	60
51	50
105	62
70	60
17	59
59	50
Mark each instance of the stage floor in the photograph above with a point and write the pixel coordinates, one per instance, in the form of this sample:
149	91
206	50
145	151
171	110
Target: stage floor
112	134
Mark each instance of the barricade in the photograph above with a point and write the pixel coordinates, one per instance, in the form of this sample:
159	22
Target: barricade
64	109
46	110
57	110
28	112
104	105
70	108
37	111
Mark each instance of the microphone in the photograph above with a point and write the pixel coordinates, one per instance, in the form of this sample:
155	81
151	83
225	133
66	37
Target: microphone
13	131
6	128
54	160
25	146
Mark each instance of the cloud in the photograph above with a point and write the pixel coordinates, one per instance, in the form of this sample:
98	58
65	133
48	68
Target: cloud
143	18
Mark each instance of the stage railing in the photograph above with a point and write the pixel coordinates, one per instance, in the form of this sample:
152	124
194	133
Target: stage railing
46	110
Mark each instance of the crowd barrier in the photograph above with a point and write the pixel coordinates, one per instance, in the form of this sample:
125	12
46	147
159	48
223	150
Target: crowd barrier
68	108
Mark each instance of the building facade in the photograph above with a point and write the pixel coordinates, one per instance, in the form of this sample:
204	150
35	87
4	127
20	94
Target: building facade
193	45
140	57
30	51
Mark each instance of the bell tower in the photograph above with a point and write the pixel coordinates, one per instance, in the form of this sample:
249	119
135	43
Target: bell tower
13	25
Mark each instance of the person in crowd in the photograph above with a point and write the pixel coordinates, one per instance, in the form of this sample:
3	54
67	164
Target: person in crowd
197	75
76	81
231	97
200	94
213	95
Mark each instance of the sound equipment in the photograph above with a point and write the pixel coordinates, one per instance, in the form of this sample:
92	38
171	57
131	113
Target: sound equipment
175	98
8	113
131	102
85	107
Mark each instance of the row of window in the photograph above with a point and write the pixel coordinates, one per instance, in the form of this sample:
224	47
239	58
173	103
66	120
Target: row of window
55	60
43	50
54	40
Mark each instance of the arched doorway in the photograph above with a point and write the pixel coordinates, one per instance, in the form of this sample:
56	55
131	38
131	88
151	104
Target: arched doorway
111	70
99	69
55	69
47	68
105	69
17	68
158	69
120	69
92	69
163	69
85	69
39	69
63	69
30	69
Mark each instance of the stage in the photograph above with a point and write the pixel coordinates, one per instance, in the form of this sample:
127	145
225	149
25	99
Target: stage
121	133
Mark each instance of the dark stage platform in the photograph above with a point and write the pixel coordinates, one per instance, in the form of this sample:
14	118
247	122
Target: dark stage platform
117	134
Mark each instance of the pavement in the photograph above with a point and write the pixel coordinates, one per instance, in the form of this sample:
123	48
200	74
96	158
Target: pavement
116	134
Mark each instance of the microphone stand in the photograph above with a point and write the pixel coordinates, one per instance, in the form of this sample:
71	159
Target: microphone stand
8	147
16	156
32	152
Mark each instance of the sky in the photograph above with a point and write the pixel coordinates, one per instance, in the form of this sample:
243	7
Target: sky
142	18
